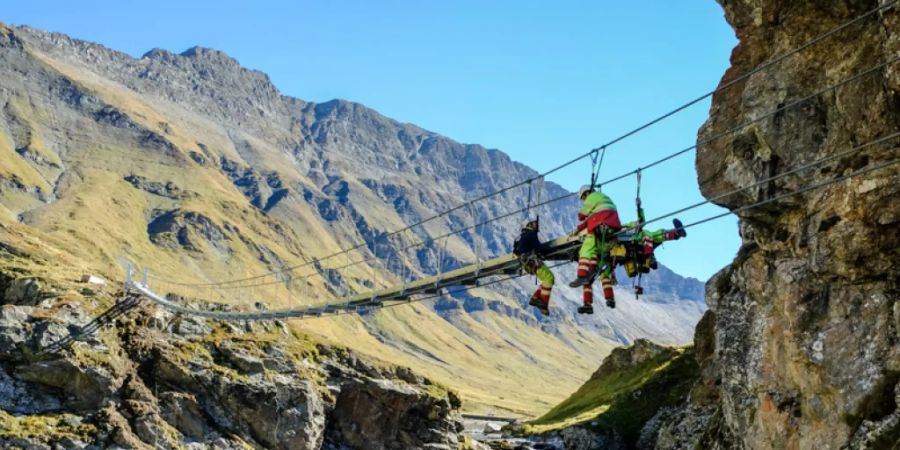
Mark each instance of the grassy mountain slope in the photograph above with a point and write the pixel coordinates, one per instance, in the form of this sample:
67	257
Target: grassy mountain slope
628	389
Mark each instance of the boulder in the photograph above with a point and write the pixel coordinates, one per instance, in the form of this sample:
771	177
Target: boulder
82	387
192	326
14	326
279	415
18	397
242	360
25	291
388	415
183	412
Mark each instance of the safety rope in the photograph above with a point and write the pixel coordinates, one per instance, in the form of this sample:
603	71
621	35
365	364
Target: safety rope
440	257
540	191
375	260
528	203
596	164
639	227
637	201
537	215
477	238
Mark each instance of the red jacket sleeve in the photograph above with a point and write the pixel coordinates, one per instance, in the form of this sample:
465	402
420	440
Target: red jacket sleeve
581	226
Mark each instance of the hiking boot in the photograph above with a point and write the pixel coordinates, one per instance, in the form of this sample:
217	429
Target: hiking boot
582	281
611	304
679	228
586	309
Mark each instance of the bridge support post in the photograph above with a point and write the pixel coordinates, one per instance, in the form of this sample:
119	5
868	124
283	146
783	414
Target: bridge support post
128	272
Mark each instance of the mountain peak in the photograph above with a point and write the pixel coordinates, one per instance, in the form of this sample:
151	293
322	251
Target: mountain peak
157	53
195	53
204	53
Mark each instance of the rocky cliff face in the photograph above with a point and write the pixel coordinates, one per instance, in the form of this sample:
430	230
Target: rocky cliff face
153	380
800	346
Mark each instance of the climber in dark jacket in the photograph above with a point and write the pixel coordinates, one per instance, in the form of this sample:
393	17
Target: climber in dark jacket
531	251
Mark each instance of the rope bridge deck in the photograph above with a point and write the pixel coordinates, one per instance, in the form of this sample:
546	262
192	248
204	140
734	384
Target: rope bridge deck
560	249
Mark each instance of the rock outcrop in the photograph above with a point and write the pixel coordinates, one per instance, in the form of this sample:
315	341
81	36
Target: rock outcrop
150	381
800	346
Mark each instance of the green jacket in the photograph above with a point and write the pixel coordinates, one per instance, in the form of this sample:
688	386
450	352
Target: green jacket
595	201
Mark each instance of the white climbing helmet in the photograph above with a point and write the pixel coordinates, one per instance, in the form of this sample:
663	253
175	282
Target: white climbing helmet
584	190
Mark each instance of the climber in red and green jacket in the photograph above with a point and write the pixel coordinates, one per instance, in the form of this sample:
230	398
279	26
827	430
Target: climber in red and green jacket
599	220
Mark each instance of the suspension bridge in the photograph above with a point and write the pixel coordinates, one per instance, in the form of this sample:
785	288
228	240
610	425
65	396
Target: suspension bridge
482	272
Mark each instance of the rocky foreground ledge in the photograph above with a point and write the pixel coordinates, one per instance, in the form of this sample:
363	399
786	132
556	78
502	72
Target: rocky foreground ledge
156	380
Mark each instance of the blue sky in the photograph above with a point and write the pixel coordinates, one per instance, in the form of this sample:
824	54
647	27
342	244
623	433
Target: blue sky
542	81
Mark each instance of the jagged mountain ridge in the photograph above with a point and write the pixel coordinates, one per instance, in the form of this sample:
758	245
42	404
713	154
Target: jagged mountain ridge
213	174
